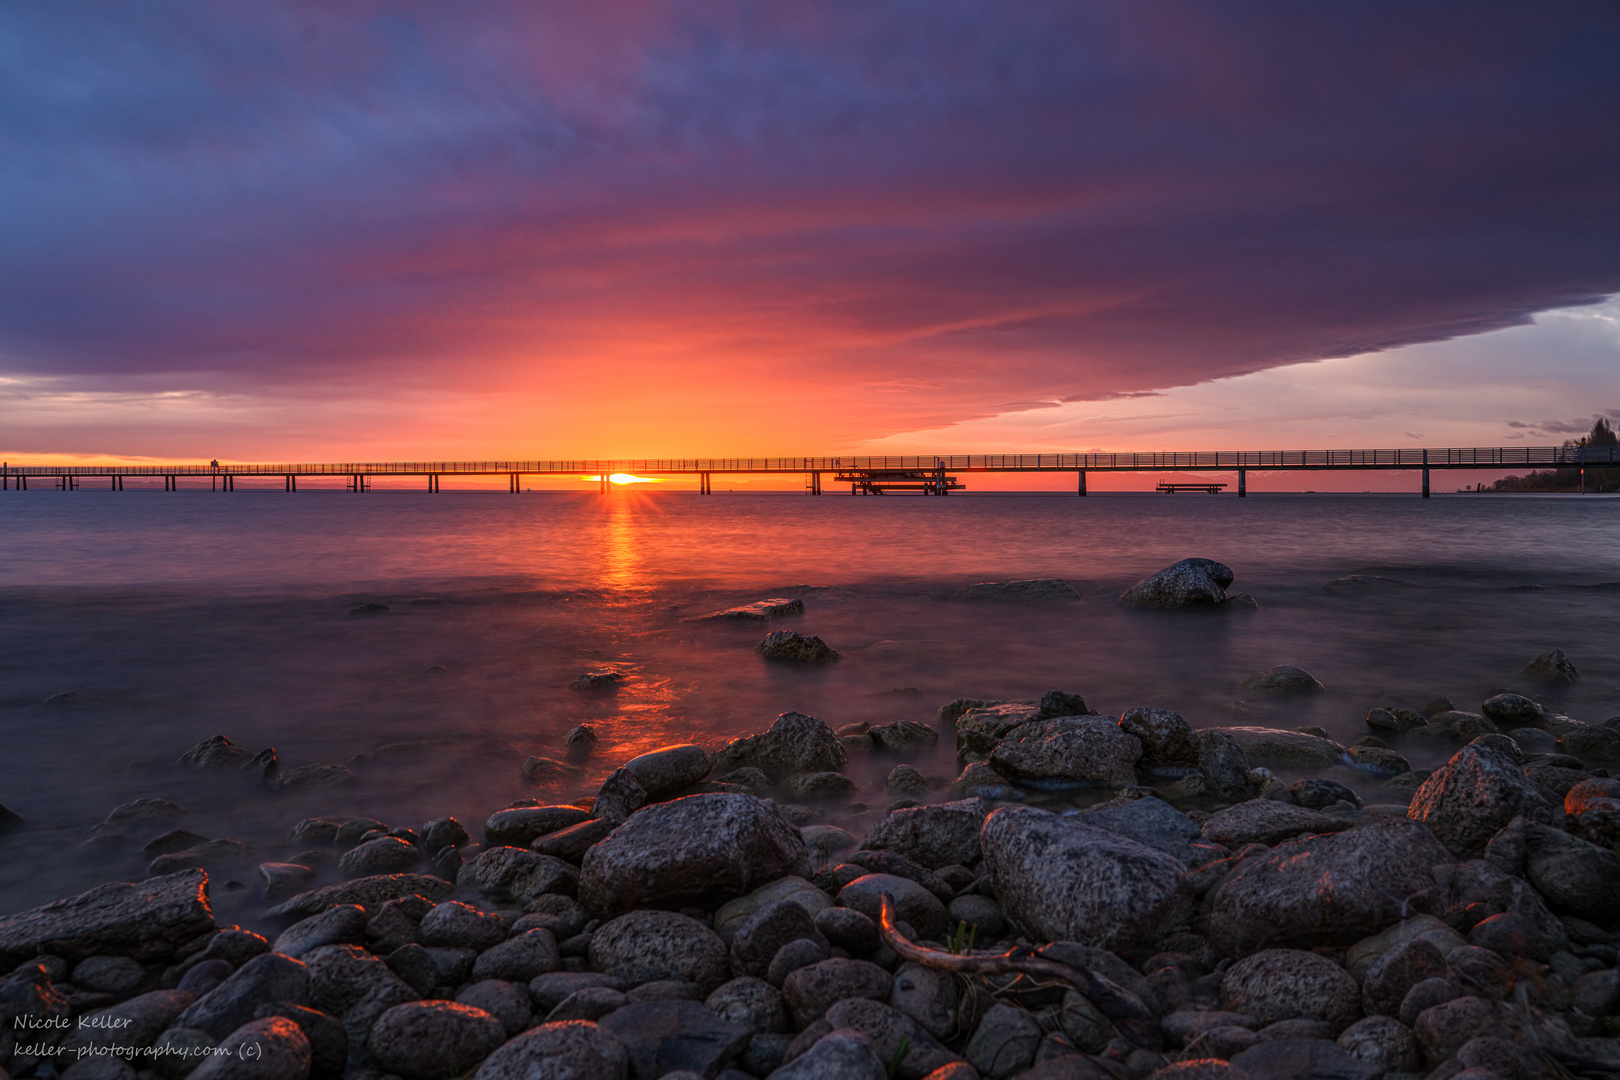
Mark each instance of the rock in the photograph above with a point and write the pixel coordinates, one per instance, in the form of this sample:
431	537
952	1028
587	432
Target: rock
794	743
767	930
701	850
1004	1042
759	611
904	735
574	1050
212	855
1577	877
1222	763
571	843
1552	666
1167	740
664	1036
1383	1043
444	832
461	926
1396	720
665	772
979	913
1291	749
826	841
794	647
1062	880
148	921
339	924
1188	583
1286	984
316	776
1599	744
278	881
1513	709
315	831
261	981
370	893
590	1003
620	795
350	983
896	1038
1077	750
521	826
849	929
173	840
1031	591
1317	793
838	1055
598	681
979	780
1466	801
819	787
1301	1059
1282	679
980	729
544	770
1443	1029
1155	823
647	945
1323	889
505	1002
519	959
433	1040
517	874
328	1043
795	954
549	991
750	1003
928	996
913	903
117	975
1262	821
1378	761
1511	934
1393	974
811	991
1597	993
217	754
733	913
203	976
131	1024
273	1048
945	834
905	780
1426	995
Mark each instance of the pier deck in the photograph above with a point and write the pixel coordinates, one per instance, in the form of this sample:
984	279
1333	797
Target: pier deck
870	474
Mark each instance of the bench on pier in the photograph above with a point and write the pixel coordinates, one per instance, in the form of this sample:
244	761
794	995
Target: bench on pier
1171	489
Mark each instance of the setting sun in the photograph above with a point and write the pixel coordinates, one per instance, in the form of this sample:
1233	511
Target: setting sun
624	478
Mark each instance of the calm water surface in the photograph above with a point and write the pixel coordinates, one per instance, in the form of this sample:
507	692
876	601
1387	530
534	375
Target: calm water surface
163	619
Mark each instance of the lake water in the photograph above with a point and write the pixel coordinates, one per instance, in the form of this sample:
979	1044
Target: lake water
164	618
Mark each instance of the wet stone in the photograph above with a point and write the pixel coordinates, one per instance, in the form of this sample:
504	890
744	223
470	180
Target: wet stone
663	1036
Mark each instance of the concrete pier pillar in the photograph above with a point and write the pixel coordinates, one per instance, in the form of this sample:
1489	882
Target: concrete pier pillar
1080	485
1425	481
1243	483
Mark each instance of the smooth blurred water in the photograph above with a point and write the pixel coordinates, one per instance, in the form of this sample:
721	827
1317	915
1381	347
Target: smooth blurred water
171	617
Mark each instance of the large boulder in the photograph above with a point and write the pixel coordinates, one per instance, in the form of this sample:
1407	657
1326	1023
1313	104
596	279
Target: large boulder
273	1048
521	826
1188	583
1277	746
795	743
148	921
665	1038
648	946
698	850
1063	880
1068	750
946	834
1467	800
1324	890
664	772
517	874
433	1040
263	980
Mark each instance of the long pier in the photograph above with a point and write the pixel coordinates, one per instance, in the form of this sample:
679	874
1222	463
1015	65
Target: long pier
929	474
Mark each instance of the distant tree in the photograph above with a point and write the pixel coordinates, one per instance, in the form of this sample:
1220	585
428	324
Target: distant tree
1602	434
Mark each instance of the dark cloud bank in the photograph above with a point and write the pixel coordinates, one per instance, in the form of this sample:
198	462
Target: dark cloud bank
983	203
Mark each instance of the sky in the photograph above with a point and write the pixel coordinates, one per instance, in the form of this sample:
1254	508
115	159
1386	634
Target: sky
375	231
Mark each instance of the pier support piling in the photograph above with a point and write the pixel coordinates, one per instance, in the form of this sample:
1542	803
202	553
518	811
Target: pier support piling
1425	481
1243	483
1080	485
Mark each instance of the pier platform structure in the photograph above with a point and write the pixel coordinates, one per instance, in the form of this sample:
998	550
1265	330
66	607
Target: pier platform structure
927	474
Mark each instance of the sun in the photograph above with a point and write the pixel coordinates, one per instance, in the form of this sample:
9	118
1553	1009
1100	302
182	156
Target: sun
624	478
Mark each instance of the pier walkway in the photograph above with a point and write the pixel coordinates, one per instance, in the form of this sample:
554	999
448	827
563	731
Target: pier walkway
932	475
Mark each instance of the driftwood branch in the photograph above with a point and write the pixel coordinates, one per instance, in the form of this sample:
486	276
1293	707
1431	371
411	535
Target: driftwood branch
1117	1005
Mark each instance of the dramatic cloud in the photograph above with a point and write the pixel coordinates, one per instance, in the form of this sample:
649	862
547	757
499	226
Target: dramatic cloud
673	227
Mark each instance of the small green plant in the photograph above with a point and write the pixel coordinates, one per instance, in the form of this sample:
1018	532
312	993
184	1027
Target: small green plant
961	942
899	1055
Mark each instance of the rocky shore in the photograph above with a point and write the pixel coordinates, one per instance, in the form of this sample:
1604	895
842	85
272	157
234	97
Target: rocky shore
1089	897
